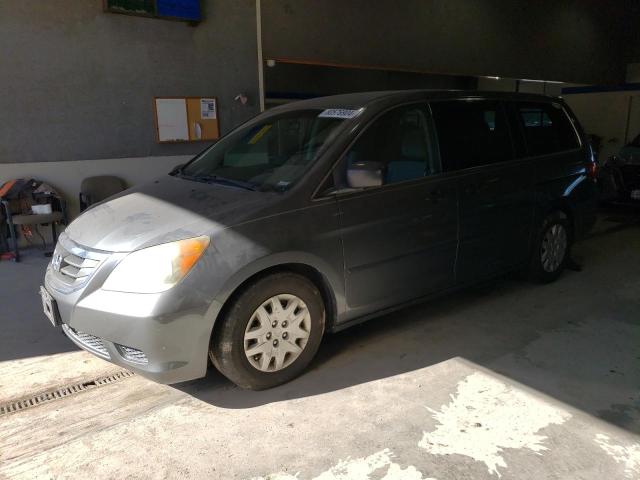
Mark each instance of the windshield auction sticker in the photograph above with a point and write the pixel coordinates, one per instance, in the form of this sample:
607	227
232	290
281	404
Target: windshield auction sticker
344	113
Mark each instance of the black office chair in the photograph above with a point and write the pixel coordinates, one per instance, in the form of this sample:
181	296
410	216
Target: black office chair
96	189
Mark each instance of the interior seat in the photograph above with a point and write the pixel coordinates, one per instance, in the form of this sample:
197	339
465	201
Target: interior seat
413	163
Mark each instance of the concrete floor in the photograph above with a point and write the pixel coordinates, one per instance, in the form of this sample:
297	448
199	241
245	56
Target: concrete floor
510	380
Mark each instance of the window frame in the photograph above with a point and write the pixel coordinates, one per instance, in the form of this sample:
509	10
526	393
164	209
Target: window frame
516	104
502	106
434	150
509	106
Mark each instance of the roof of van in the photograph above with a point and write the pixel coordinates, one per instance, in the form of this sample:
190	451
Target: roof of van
361	99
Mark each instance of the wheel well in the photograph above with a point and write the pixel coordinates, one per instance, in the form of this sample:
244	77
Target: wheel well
310	273
564	209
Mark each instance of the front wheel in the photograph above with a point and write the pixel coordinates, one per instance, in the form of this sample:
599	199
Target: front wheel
270	333
550	249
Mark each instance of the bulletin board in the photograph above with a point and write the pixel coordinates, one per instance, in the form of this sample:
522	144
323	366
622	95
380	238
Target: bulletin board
186	119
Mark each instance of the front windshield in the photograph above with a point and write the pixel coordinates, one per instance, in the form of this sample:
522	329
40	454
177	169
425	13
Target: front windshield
269	155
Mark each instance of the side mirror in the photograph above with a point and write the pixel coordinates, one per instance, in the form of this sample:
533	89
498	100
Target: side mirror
176	169
364	174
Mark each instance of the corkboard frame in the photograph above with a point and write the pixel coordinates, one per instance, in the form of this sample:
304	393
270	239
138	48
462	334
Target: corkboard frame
211	126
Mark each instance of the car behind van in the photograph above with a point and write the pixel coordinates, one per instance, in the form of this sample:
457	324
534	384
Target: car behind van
317	215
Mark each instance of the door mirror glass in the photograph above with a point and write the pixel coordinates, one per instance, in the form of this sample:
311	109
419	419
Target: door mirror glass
364	174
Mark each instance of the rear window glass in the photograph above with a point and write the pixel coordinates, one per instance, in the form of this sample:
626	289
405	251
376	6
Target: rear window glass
471	133
547	128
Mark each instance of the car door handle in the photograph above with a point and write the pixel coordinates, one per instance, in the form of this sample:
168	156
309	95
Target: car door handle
487	183
473	188
470	189
434	195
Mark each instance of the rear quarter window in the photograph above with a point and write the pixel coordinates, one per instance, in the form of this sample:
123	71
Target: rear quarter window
547	128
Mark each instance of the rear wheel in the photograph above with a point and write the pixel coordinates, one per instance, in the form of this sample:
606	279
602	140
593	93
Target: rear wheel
551	248
270	333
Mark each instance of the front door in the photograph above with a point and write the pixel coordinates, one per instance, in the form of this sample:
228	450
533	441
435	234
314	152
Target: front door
399	238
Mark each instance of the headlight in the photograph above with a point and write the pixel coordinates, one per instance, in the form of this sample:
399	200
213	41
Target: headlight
158	268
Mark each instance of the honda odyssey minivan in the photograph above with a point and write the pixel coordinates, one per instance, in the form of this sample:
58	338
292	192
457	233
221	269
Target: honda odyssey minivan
317	215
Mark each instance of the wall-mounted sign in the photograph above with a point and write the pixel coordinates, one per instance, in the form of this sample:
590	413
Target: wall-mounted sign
187	10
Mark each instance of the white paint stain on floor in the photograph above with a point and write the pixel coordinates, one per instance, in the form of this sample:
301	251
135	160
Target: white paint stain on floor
627	455
485	417
361	469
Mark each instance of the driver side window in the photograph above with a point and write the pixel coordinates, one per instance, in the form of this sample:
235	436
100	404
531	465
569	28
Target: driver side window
394	148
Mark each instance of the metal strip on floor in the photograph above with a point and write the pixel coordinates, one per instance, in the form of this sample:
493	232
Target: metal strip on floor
69	390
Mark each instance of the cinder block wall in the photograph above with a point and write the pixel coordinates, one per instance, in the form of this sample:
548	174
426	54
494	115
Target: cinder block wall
78	85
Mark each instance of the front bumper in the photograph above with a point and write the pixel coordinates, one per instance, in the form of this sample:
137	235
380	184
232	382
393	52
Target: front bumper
164	336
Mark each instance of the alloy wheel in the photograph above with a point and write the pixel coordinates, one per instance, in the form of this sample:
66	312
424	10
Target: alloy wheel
553	248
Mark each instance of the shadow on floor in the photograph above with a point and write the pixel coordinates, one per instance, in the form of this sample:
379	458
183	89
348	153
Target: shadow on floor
26	332
577	340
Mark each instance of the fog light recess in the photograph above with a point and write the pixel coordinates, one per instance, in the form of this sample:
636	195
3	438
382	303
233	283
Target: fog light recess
132	354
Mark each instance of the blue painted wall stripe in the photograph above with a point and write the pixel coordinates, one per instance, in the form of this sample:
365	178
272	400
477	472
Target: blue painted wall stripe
601	88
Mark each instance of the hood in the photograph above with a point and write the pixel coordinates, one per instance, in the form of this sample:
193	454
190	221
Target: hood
166	210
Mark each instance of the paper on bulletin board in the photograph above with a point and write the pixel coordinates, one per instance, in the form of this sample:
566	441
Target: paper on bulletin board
172	119
208	108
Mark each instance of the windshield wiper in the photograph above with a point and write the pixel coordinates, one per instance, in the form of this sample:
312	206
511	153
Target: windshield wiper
220	180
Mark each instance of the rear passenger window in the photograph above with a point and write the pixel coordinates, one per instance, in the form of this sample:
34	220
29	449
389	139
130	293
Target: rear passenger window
547	128
471	133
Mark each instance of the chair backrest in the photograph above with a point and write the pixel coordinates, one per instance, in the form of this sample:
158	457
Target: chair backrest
99	188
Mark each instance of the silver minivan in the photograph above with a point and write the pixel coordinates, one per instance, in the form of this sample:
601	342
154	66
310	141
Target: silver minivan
317	215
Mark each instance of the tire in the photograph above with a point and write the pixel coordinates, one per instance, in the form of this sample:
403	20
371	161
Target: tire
549	257
252	314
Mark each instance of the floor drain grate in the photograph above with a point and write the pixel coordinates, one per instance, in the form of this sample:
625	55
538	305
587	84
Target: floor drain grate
50	395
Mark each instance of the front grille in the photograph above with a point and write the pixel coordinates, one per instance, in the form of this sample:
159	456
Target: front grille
76	267
133	354
90	342
73	265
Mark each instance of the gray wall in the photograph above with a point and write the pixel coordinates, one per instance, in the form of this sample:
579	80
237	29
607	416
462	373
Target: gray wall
580	41
78	83
283	79
631	32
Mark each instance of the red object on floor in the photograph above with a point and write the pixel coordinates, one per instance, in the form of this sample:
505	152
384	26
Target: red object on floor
7	256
